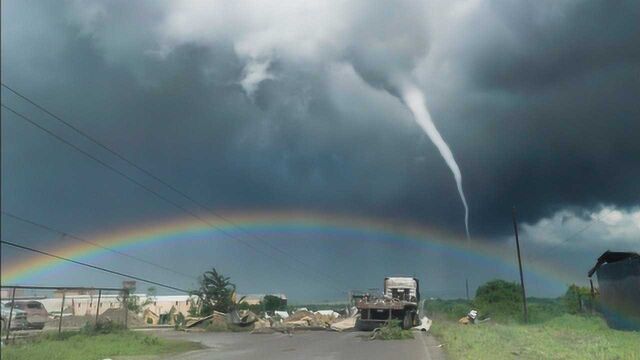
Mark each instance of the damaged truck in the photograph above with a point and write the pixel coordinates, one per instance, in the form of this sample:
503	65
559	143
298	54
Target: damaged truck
399	302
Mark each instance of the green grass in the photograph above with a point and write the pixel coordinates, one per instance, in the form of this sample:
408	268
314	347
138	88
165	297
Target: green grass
563	337
86	346
540	310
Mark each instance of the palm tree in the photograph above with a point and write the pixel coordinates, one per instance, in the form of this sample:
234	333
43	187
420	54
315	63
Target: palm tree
215	293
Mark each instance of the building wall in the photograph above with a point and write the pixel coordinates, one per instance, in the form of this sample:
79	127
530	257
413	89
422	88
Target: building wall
81	305
620	293
162	305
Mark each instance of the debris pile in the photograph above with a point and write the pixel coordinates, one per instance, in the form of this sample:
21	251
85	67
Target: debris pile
344	324
214	322
281	321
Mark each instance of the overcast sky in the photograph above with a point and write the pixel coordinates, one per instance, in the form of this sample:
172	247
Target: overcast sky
295	106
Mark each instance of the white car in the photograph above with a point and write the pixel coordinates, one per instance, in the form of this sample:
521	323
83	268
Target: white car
18	318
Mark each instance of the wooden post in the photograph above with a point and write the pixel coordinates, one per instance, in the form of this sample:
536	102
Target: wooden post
98	307
593	297
13	302
126	310
466	285
524	294
61	311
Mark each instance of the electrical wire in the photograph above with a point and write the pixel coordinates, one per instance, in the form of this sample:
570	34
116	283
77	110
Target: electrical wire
23	247
74	237
158	179
151	191
572	236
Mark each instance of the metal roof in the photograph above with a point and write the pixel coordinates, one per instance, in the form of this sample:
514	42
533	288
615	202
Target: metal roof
611	257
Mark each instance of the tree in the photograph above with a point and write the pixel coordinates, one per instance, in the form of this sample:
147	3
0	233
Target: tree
215	293
133	301
500	298
273	303
575	297
254	308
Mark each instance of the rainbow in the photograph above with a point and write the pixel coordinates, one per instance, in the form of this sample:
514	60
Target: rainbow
285	223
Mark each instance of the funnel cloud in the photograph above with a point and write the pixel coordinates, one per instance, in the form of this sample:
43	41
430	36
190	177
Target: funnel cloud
321	106
414	98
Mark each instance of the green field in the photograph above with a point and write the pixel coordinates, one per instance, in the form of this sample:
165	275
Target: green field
563	337
560	328
71	346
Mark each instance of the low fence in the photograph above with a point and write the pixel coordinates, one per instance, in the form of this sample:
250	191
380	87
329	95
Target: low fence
39	307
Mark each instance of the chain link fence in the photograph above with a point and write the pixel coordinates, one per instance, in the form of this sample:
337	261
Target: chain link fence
34	308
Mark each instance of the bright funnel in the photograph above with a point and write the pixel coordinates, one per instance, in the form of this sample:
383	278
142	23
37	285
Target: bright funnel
414	99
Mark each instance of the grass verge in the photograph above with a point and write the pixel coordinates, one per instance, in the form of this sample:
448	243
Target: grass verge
564	337
74	345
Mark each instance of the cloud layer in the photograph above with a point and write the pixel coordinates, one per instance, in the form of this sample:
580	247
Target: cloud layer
291	104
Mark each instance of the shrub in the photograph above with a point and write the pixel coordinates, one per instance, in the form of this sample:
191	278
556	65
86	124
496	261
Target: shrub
499	299
256	309
102	327
272	303
575	297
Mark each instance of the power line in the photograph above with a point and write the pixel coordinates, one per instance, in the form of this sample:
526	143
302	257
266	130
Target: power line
93	266
121	253
157	178
151	191
573	236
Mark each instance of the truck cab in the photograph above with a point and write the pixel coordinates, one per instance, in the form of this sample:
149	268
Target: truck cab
402	288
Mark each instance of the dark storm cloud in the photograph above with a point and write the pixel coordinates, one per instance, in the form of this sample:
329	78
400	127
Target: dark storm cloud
543	113
558	94
548	45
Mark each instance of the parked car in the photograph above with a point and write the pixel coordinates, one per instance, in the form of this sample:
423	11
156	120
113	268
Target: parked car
35	312
18	318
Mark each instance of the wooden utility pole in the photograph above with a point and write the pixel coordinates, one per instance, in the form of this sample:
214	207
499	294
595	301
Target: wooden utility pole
13	303
98	307
466	285
64	294
524	293
126	308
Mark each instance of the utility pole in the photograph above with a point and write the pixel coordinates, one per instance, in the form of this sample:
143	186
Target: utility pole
524	294
64	294
466	285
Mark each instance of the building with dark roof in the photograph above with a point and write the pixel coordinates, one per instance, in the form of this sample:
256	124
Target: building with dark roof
618	276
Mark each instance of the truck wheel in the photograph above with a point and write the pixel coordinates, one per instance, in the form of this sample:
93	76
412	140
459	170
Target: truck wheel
407	322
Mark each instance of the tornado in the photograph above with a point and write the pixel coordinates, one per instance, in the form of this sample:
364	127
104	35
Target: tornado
414	99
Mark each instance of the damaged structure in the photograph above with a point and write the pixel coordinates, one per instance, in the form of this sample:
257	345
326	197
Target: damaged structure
618	275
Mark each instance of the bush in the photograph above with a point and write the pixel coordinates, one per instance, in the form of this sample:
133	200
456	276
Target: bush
256	309
272	303
499	299
102	327
577	299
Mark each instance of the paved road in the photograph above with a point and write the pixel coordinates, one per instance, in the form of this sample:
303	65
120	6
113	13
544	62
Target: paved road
306	345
